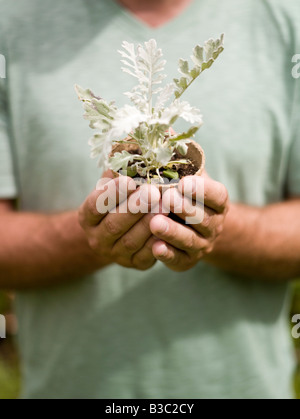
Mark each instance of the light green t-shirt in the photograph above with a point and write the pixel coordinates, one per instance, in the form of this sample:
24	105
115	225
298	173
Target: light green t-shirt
122	333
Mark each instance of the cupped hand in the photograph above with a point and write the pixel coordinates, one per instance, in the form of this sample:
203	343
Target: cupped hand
201	201
116	220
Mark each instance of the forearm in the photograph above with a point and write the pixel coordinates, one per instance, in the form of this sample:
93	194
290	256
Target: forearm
260	242
40	250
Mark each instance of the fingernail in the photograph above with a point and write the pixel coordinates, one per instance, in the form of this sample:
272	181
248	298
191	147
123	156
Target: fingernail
164	226
163	250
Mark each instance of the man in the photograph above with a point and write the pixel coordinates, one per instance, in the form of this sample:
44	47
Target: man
194	315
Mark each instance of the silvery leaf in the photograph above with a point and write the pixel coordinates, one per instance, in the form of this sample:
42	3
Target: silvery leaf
121	160
126	119
203	58
164	96
146	64
85	94
182	110
163	155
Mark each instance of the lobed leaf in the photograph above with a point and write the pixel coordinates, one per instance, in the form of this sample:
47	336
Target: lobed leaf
203	58
85	94
145	64
120	160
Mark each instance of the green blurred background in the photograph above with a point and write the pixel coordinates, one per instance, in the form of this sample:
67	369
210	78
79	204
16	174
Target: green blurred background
10	381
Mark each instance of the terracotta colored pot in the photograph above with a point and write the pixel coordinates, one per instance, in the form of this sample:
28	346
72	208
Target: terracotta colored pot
195	154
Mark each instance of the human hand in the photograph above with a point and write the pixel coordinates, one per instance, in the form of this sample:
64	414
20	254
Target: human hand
122	236
180	247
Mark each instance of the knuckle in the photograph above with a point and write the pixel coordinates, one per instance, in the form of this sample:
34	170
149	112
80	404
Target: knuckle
129	243
94	243
219	229
223	197
111	226
91	205
206	250
205	223
190	243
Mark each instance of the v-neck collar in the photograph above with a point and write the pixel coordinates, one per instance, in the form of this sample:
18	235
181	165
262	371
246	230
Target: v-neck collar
138	24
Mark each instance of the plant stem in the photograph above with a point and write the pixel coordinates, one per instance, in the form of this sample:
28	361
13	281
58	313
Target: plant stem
158	174
186	88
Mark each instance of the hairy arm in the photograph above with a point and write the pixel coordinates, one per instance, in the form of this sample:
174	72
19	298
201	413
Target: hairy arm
39	250
260	242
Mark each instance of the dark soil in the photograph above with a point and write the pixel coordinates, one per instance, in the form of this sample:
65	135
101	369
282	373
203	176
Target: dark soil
182	169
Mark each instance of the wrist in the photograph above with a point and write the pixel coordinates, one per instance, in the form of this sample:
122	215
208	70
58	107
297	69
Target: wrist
68	227
241	222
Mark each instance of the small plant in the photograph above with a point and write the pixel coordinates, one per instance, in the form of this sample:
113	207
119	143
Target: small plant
155	152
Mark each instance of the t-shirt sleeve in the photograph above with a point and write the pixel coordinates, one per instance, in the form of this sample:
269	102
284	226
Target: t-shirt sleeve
293	170
8	188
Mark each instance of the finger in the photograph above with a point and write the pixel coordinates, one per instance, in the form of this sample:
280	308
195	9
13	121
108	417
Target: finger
116	223
204	189
114	193
144	258
108	174
204	220
190	211
145	200
135	238
182	237
173	258
107	196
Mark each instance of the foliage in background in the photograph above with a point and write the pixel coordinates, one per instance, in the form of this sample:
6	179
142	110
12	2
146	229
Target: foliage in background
10	380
